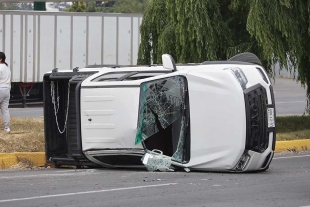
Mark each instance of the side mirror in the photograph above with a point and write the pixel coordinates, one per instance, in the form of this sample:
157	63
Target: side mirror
168	62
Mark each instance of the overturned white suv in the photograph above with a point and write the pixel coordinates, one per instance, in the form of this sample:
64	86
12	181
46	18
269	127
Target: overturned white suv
214	116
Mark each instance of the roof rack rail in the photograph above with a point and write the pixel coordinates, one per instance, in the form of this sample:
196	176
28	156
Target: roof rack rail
119	66
103	66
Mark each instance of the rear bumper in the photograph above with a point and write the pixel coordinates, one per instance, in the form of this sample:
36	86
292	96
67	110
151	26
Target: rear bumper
65	148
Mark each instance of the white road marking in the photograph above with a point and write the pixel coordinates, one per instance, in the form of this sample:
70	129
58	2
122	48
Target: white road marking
280	114
48	175
290	102
85	192
72	170
277	158
23	110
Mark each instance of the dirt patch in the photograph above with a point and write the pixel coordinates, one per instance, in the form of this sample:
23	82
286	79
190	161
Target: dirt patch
27	135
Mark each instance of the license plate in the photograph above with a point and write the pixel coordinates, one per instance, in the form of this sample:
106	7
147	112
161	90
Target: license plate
270	114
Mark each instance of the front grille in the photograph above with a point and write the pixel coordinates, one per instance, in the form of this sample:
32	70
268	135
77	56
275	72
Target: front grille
257	136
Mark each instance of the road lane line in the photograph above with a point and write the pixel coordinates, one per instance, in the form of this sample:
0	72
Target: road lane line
86	192
72	170
23	110
280	114
278	158
290	102
49	175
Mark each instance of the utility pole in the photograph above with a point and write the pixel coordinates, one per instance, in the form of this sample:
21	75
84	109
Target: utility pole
39	6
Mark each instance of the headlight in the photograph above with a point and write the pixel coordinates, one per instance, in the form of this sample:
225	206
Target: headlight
263	75
238	73
243	162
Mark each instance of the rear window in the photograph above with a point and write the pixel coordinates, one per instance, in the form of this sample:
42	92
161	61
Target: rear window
126	76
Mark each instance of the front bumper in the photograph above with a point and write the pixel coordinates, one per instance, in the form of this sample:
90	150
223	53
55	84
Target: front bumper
261	131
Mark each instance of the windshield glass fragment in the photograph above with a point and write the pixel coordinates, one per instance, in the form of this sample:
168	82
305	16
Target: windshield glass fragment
162	121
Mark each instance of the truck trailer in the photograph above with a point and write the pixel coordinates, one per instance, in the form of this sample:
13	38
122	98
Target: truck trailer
35	42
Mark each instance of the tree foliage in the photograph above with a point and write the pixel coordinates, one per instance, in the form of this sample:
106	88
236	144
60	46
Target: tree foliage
81	7
282	30
194	31
112	6
129	6
15	6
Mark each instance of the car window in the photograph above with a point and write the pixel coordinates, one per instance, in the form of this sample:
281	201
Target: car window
162	121
110	76
139	76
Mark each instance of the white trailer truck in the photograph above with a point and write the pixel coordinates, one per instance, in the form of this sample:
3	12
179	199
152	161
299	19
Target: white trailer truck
36	42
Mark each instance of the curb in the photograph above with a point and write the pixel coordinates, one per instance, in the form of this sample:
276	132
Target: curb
38	159
293	146
32	159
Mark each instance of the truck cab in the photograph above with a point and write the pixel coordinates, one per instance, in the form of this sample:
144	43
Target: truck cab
213	116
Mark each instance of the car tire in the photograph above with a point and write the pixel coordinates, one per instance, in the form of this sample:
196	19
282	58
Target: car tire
246	57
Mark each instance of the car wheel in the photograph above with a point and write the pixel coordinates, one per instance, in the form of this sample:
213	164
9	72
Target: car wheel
246	57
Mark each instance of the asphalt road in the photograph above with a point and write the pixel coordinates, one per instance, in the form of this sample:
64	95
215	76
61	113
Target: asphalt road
289	95
287	183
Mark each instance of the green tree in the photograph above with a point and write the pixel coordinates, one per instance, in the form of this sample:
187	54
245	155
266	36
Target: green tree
282	30
9	6
113	6
89	6
129	6
77	7
193	31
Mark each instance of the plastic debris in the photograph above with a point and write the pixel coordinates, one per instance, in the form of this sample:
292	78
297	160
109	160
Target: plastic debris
156	161
187	169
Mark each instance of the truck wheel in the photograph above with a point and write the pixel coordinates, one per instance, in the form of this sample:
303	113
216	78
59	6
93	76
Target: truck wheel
246	57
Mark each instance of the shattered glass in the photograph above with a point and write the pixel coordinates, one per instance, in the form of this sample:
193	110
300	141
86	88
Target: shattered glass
161	103
178	155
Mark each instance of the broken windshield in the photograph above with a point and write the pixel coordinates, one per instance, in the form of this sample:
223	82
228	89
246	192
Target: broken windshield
162	121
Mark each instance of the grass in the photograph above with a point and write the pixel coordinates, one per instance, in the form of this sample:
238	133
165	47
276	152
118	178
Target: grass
25	162
293	127
27	135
